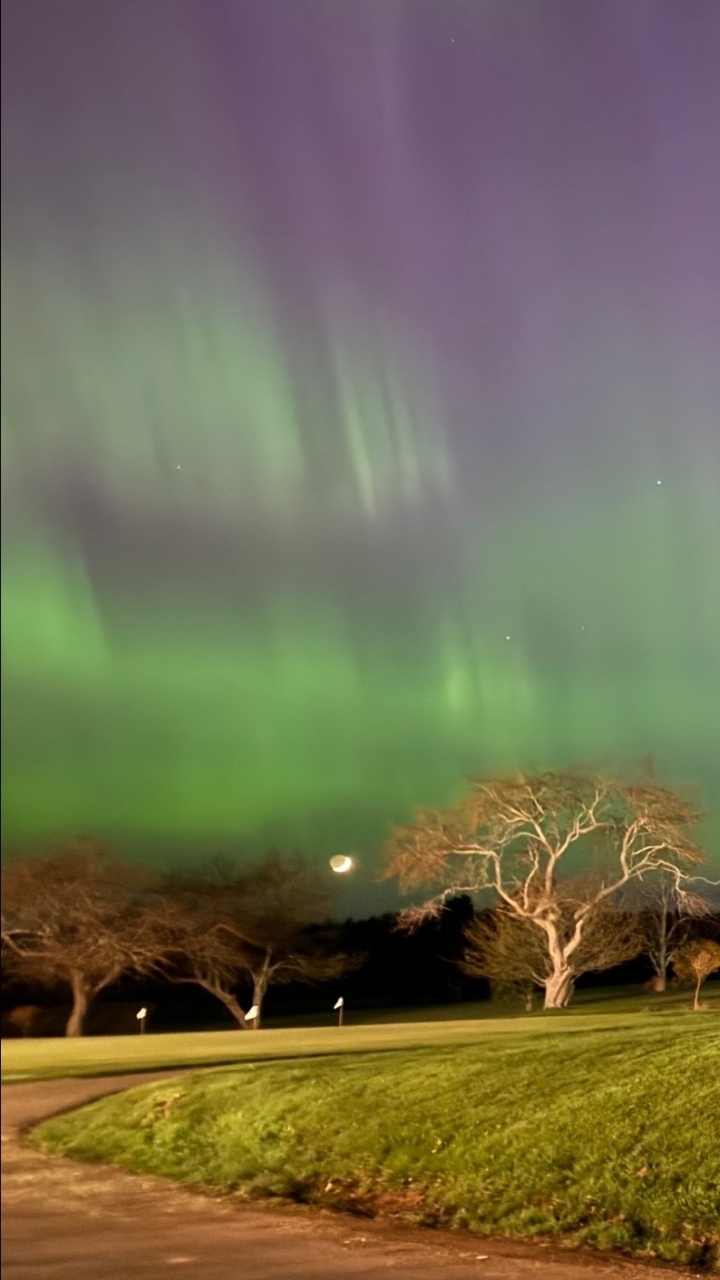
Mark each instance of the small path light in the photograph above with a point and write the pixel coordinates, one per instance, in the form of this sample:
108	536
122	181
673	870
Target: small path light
141	1015
340	1006
252	1014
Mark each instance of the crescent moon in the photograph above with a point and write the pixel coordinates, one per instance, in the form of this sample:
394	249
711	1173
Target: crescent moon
341	863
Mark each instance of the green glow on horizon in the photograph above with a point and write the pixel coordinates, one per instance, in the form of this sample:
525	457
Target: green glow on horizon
301	714
233	735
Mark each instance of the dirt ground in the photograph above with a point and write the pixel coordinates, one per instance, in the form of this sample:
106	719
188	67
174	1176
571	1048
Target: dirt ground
62	1220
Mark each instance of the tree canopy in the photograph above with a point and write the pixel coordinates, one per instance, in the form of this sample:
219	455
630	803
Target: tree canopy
516	835
77	919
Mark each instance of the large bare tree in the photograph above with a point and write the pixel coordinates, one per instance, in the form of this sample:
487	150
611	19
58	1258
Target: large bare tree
246	928
75	919
516	835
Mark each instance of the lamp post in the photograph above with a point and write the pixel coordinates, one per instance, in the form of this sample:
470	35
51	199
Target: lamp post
340	1006
141	1015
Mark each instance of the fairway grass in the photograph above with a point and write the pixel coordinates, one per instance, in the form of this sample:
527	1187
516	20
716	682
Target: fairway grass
110	1055
591	1131
599	1010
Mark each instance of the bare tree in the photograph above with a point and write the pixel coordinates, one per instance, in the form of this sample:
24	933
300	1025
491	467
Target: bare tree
667	914
284	898
507	951
249	928
695	961
199	939
304	959
511	835
74	919
511	950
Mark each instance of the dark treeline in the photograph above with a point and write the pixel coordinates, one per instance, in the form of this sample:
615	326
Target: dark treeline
231	943
400	971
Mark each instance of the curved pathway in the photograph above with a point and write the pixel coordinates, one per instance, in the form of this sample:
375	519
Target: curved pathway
68	1221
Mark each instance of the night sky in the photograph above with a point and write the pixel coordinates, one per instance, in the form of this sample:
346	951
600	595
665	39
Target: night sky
361	410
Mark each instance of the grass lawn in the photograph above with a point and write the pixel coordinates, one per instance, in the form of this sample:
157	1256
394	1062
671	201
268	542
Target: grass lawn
597	1129
108	1055
598	1009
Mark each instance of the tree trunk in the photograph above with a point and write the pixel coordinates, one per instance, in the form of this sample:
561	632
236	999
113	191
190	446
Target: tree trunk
558	989
81	1004
232	1004
258	993
696	1001
656	985
260	986
660	959
225	997
661	967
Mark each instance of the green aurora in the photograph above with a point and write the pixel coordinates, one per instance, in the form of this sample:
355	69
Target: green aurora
262	584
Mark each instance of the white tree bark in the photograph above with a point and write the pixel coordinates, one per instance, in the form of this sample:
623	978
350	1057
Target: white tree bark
559	989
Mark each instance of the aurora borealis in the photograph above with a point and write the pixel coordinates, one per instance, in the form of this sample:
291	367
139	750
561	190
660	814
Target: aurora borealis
361	409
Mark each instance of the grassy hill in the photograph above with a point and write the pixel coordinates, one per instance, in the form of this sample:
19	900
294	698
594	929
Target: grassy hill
596	1129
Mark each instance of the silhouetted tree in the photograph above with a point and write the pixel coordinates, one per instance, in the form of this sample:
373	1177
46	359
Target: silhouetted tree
76	919
247	927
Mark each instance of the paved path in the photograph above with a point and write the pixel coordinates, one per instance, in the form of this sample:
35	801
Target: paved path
68	1221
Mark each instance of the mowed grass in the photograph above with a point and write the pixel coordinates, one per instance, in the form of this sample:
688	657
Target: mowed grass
49	1059
601	1010
581	1130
